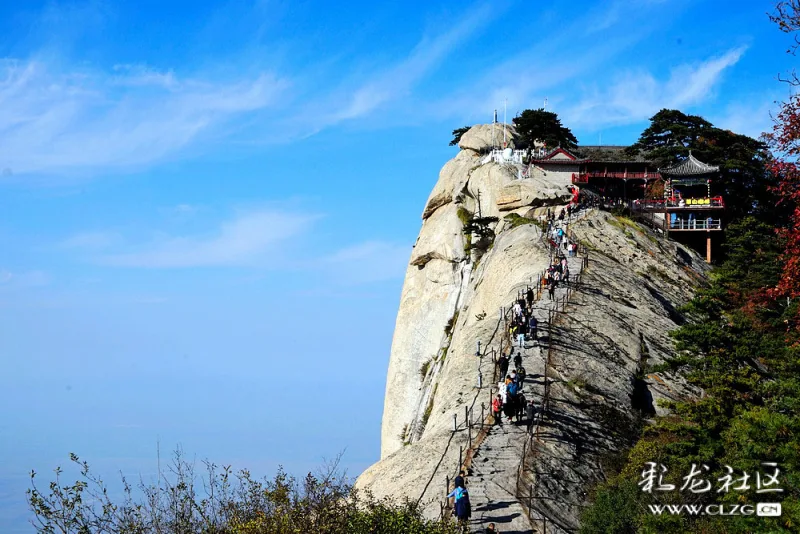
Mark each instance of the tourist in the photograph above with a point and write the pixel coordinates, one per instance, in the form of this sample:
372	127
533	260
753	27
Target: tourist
509	407
529	296
521	403
564	241
491	529
520	337
459	481
565	276
497	409
530	413
551	288
518	360
521	376
463	508
502	363
532	326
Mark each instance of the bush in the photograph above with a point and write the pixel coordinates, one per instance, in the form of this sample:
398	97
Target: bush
223	503
515	220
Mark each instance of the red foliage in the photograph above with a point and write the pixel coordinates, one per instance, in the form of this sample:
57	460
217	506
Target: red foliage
785	143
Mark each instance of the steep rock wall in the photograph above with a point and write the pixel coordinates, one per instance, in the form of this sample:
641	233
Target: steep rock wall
633	286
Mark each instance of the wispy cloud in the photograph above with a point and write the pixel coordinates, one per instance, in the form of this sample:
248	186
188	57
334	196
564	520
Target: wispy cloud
560	53
57	117
637	95
54	120
252	238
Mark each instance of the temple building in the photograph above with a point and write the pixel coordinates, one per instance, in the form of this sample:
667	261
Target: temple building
687	204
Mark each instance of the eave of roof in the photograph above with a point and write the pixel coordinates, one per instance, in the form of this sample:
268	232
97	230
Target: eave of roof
691	166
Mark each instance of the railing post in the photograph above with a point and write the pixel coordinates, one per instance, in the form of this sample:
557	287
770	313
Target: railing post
460	456
455	425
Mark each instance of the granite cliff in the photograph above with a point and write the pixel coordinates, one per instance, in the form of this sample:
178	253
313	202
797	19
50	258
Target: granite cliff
478	247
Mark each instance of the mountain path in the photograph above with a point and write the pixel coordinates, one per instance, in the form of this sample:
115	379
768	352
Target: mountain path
492	480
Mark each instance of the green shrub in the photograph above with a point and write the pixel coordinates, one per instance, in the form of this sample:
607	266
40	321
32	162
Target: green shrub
224	502
515	220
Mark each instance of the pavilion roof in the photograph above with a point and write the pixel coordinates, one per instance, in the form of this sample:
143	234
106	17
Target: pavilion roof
691	166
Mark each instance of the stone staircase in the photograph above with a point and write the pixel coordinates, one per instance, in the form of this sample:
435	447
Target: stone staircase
493	471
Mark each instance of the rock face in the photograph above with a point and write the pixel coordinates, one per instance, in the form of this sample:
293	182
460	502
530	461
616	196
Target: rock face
483	137
451	300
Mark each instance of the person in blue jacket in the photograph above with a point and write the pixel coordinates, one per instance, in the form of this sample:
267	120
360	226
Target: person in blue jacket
463	509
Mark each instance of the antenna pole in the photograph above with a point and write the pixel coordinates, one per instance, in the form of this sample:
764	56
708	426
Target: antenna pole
545	103
494	123
505	109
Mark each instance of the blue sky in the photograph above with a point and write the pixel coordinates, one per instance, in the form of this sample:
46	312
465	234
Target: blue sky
207	207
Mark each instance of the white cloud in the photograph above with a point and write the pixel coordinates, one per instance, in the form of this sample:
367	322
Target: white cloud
355	98
253	238
637	95
53	120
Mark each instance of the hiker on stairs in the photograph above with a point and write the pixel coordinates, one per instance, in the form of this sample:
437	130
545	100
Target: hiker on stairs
497	409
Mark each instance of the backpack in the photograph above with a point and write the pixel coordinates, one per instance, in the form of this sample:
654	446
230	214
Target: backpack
512	388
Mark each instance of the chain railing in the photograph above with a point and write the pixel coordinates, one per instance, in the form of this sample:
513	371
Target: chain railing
477	429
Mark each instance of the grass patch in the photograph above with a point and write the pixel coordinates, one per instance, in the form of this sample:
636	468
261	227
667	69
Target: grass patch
464	215
577	382
428	409
423	371
515	220
451	323
658	272
404	435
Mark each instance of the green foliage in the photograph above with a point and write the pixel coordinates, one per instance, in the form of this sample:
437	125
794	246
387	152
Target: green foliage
223	502
615	510
464	215
743	181
451	323
515	220
423	371
429	407
457	133
543	126
737	348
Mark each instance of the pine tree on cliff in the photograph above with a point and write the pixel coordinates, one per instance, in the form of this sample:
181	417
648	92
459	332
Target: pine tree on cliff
743	182
543	126
457	133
